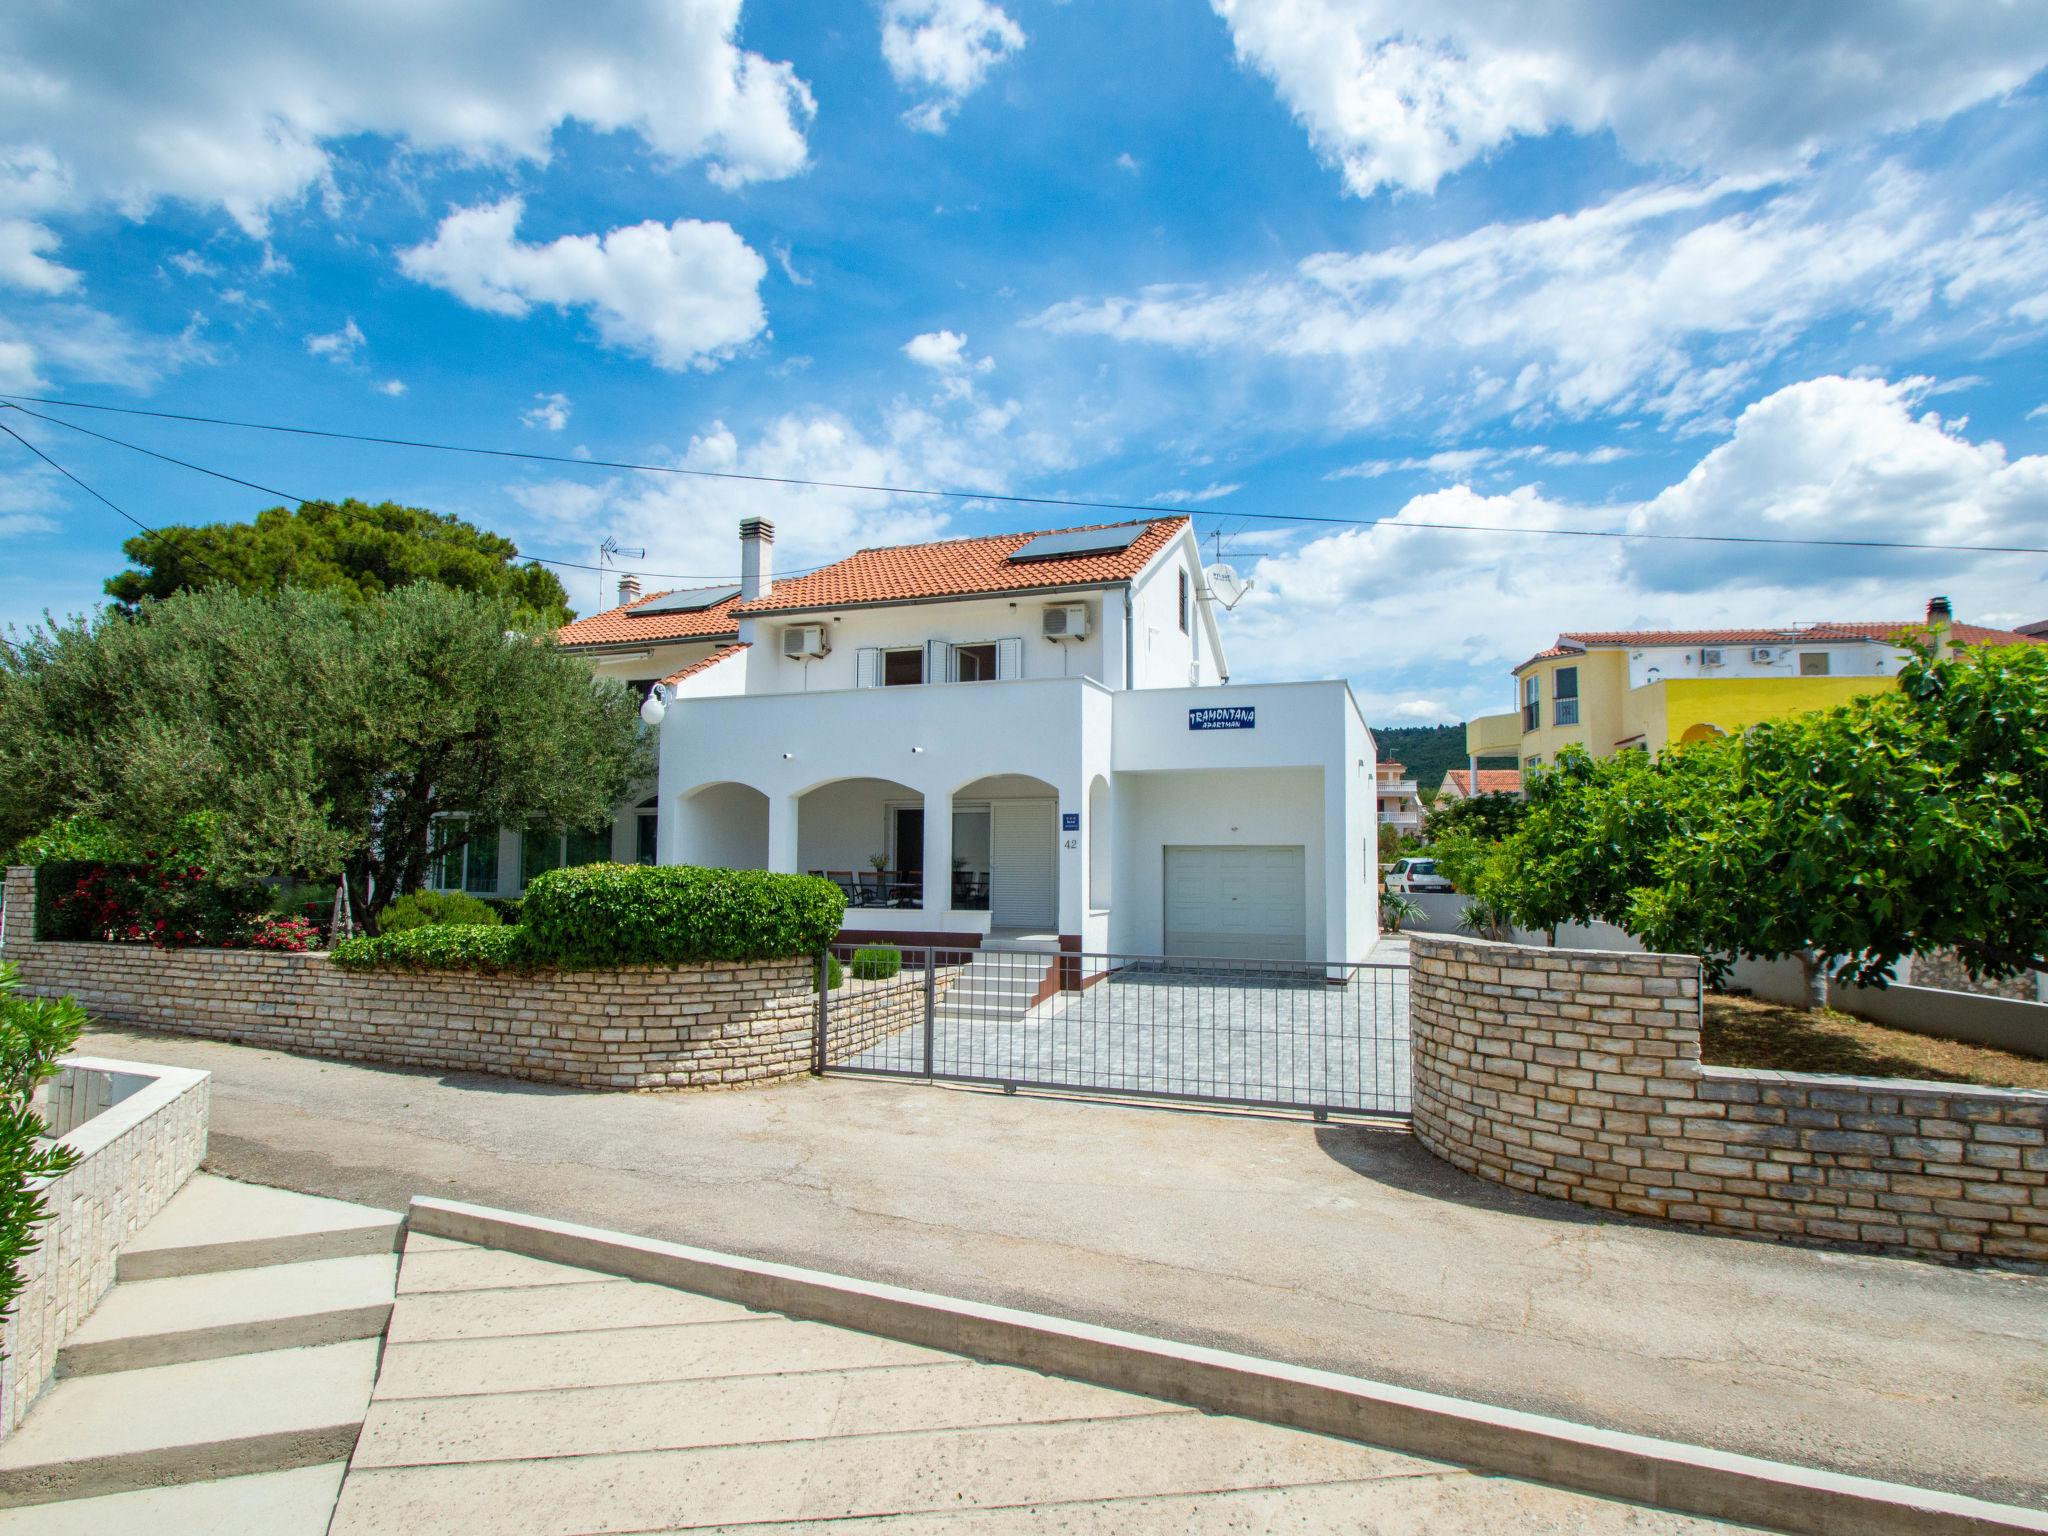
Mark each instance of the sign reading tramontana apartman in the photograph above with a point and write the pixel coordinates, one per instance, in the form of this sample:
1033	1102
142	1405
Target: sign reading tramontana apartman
1224	717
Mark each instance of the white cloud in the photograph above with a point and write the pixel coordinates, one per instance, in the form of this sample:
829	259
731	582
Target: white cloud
944	49
1666	299
1428	711
23	262
1213	492
1402	93
392	387
685	295
1128	162
937	349
18	366
2038	412
1454	463
1829	457
1845	459
782	260
549	414
221	104
85	345
192	264
341	347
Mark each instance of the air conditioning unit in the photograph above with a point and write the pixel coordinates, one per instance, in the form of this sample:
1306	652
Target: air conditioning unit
800	642
1066	621
1710	658
1763	653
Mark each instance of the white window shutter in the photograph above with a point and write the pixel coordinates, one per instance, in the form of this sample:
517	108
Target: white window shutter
1010	658
869	667
938	662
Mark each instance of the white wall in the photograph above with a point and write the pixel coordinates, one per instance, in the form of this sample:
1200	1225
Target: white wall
965	622
1845	659
1161	653
724	826
1231	808
841	826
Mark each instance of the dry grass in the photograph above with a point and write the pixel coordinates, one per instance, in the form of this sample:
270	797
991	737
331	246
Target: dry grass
1748	1032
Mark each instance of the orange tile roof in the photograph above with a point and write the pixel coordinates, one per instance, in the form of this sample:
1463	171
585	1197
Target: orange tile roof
723	653
960	568
1492	781
629	625
1882	632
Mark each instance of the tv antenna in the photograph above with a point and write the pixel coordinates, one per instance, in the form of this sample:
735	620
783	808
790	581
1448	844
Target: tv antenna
611	549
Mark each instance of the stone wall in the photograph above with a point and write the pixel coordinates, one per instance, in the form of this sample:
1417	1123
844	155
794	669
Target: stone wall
1577	1074
133	1156
685	1026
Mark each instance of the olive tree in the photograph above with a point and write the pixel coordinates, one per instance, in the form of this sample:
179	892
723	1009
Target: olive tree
323	735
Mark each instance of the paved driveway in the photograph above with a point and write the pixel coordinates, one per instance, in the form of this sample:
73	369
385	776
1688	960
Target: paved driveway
1346	1247
1266	1036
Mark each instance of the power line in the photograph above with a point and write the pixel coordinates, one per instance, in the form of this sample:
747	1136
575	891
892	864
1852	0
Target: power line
138	522
1081	504
269	490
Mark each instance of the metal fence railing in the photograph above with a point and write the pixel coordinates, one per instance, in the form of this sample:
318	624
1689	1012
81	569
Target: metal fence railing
1313	1036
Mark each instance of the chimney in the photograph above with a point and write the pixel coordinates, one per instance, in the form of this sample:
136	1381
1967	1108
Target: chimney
1941	618
629	589
757	558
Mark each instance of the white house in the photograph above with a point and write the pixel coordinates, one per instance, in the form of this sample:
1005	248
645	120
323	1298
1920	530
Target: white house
1021	735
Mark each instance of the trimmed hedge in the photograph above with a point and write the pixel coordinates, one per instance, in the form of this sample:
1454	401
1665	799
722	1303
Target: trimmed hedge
439	947
636	914
427	909
877	964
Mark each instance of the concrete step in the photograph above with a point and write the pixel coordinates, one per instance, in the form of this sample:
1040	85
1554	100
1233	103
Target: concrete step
215	1224
165	1425
295	1503
233	1312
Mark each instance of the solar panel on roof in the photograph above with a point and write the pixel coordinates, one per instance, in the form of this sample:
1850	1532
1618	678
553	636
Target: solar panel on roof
1086	541
691	600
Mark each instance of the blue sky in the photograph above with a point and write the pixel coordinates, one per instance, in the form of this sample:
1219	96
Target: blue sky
1777	269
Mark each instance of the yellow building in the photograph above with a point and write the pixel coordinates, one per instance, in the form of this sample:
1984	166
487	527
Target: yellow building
1648	689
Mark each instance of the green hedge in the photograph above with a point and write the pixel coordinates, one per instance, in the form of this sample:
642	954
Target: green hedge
428	909
877	964
634	914
439	947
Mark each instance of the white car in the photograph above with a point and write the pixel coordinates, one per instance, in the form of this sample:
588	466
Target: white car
1411	875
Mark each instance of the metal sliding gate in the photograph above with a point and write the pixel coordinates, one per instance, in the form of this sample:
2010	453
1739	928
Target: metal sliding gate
1321	1037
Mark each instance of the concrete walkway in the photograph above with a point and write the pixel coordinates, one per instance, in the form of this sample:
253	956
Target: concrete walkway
1329	1246
534	1399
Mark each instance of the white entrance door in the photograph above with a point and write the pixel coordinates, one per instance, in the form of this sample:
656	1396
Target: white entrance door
1023	864
1243	903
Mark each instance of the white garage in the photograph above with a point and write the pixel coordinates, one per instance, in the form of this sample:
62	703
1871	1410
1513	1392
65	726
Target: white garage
1242	903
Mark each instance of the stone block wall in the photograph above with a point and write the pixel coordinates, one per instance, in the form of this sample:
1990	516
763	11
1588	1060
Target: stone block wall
1577	1074
133	1156
685	1026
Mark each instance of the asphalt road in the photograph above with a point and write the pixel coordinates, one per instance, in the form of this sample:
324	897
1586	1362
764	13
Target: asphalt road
1343	1247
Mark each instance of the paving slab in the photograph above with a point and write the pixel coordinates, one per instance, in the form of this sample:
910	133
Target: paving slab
208	1315
215	1223
678	1415
295	1503
615	1357
534	1310
460	1267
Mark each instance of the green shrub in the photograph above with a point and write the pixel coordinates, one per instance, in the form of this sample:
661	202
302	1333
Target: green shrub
438	947
835	975
877	964
634	914
433	909
74	840
34	1032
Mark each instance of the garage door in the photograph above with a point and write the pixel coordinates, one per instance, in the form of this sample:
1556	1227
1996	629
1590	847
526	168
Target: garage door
1243	903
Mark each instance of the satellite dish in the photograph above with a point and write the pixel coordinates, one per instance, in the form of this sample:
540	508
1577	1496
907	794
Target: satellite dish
1226	586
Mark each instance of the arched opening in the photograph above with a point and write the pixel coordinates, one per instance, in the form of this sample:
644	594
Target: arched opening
722	826
1700	732
867	836
1100	846
1006	842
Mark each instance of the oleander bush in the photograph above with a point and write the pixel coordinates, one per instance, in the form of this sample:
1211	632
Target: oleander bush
439	947
34	1032
877	964
635	914
430	909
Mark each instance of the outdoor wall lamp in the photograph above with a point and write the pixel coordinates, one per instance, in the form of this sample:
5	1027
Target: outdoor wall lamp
655	705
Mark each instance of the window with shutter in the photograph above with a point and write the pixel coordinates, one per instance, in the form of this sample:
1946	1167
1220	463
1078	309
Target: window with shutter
1010	658
868	667
938	662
